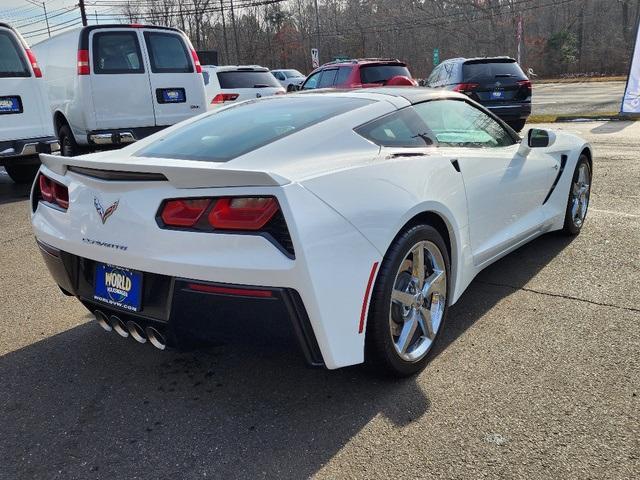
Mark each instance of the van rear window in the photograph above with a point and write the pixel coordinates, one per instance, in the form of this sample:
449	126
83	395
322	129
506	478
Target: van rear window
12	62
116	52
247	79
167	53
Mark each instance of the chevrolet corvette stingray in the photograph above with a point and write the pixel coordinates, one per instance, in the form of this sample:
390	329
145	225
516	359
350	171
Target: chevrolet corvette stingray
355	218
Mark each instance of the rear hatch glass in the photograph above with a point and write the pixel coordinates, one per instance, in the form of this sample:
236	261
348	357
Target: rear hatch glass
167	53
247	79
497	81
243	128
12	63
382	73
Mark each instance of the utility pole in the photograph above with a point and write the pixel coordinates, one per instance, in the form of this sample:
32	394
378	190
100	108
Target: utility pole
83	14
317	31
46	18
224	34
235	32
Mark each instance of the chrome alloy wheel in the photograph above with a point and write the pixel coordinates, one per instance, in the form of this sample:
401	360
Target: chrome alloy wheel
580	191
418	301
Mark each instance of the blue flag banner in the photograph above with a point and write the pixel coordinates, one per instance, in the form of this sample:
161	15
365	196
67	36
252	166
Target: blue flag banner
631	99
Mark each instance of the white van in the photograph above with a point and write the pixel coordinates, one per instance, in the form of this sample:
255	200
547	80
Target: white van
110	85
234	83
25	124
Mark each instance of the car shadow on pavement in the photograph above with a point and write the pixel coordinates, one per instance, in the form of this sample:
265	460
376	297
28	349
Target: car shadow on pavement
612	126
10	191
87	404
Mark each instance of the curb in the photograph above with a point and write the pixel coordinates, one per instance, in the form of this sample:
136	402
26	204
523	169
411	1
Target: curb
584	118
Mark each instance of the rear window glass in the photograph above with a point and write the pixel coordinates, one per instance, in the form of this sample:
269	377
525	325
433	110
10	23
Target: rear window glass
167	53
382	73
116	52
232	132
12	63
490	71
247	79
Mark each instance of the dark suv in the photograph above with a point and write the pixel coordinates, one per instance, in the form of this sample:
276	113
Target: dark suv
359	73
498	83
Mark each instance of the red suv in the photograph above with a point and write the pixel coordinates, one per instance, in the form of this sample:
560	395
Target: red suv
359	73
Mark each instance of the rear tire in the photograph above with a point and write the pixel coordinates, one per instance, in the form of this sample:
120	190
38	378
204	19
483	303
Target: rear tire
68	145
579	194
22	174
401	331
517	125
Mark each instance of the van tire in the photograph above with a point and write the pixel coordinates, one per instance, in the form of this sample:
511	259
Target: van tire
22	174
68	145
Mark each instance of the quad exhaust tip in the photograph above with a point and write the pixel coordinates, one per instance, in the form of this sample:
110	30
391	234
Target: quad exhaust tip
103	321
156	338
136	332
119	326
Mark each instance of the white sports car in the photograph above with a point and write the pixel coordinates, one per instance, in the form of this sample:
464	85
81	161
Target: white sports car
358	216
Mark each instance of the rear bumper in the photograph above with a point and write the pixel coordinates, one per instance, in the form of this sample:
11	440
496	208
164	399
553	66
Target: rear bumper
28	147
520	111
185	310
120	136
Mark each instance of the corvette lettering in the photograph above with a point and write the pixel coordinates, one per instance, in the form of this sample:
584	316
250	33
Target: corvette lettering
100	243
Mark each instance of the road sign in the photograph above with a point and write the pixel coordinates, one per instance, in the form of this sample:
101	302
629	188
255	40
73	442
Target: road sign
436	57
315	58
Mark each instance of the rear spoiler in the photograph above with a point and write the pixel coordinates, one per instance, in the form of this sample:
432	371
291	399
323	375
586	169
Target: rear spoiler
193	174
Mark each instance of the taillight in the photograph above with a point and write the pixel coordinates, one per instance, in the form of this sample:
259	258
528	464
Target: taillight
465	87
224	97
196	61
53	192
250	213
525	83
260	215
83	62
34	63
183	213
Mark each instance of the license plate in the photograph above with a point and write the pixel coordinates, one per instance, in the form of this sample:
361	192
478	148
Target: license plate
172	95
118	287
497	94
10	105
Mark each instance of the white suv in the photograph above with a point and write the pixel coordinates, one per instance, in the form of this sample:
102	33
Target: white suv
26	128
232	83
110	85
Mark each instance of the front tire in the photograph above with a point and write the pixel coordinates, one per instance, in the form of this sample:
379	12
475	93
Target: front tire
22	174
579	194
409	302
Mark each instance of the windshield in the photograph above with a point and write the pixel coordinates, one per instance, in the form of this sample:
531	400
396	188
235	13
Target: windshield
229	133
247	79
382	73
292	73
11	61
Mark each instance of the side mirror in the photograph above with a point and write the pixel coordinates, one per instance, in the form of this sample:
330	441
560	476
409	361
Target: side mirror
539	138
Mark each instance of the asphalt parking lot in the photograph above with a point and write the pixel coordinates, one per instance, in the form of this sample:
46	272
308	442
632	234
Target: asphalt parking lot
537	376
577	98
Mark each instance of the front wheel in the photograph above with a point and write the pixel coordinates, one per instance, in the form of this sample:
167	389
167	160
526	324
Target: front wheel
409	302
22	173
579	194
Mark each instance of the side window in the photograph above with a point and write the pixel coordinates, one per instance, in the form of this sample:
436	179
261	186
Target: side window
343	75
456	123
448	70
328	78
12	62
399	129
167	53
116	52
278	75
205	77
312	81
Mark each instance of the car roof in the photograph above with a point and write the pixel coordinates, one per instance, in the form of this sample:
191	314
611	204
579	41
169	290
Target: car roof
363	61
412	94
480	59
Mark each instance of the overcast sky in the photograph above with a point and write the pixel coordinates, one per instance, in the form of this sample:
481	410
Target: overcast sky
30	21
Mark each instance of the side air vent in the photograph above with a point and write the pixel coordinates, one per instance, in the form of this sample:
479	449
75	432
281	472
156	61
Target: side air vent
118	176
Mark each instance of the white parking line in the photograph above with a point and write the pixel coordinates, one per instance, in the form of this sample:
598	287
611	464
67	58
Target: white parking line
612	212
